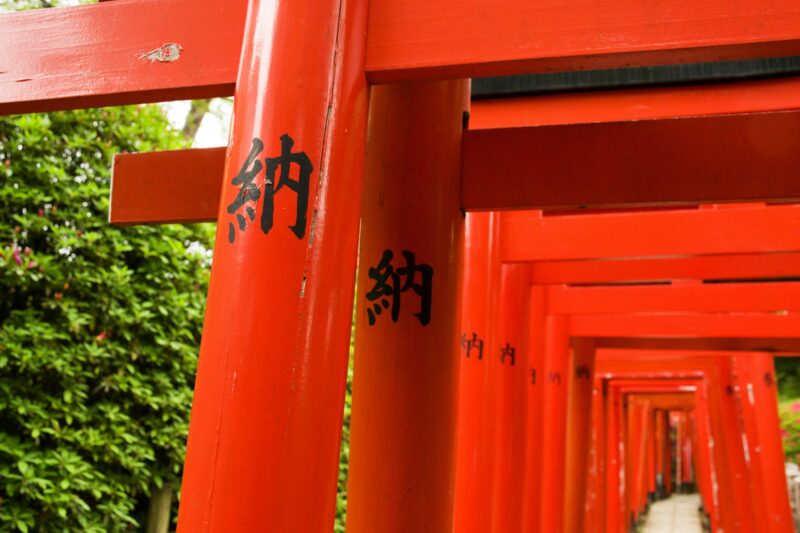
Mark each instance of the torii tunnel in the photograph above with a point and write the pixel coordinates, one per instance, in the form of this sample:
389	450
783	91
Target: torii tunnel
568	305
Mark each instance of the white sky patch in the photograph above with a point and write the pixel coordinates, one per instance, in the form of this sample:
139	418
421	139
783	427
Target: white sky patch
214	127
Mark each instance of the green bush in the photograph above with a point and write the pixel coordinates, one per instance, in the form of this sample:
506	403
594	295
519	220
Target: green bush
99	326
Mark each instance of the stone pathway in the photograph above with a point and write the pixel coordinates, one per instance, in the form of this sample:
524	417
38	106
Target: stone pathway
676	514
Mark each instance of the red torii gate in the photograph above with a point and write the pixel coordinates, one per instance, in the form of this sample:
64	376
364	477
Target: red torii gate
302	79
487	285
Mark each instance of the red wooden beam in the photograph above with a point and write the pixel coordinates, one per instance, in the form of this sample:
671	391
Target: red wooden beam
448	38
623	105
527	236
787	347
704	267
545	166
100	54
700	298
118	53
687	325
188	183
653	162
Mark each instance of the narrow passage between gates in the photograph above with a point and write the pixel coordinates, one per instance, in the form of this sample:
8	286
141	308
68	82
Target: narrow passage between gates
677	514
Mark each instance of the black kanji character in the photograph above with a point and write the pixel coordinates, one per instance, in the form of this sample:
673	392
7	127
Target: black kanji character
474	342
507	351
299	186
248	191
391	283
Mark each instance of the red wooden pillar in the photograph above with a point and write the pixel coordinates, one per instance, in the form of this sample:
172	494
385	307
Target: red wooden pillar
615	469
476	414
733	447
660	453
757	386
735	505
510	398
554	430
705	471
579	432
532	485
266	420
668	455
405	386
594	519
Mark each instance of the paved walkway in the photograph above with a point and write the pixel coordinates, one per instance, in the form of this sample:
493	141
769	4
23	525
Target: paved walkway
676	514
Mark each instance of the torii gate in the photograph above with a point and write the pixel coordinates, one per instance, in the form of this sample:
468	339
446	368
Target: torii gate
267	411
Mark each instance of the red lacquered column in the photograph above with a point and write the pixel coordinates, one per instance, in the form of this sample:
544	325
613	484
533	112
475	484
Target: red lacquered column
475	433
402	462
266	419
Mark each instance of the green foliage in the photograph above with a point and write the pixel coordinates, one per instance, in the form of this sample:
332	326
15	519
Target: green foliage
99	326
790	429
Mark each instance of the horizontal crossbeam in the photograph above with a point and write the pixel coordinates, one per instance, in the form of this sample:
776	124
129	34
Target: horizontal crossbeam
653	162
758	325
121	52
526	236
118	52
188	185
752	155
647	103
777	346
701	267
454	39
698	298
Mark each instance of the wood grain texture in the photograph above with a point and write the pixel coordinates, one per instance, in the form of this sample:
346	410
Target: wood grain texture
454	38
95	55
88	56
176	186
526	236
739	158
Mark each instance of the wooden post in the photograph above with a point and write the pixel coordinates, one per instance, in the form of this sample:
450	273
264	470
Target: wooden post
407	326
510	402
266	419
532	485
554	420
579	432
476	416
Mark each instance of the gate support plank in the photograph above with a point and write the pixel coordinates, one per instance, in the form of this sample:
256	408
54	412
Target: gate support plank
405	387
476	415
266	418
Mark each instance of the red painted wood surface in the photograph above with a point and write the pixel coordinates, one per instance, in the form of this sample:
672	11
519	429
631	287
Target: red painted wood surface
786	345
534	441
555	382
546	167
579	427
686	325
476	415
510	401
650	103
176	186
91	55
526	236
701	267
266	419
723	297
756	388
448	38
402	465
99	55
653	162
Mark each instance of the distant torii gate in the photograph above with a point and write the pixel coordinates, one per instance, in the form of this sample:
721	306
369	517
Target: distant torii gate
264	433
